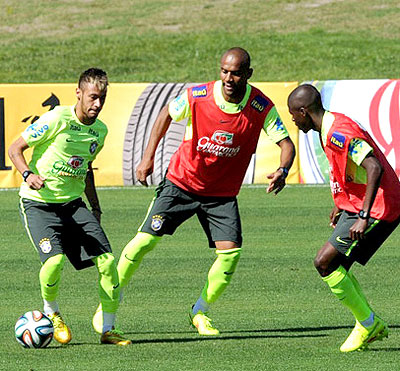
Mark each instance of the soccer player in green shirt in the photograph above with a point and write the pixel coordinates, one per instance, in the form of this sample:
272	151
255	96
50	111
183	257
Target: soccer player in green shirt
65	141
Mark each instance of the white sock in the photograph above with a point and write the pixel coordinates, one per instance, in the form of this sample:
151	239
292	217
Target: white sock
108	321
369	321
200	305
50	307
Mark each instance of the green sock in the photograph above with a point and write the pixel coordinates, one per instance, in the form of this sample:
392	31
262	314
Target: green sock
133	254
220	274
358	287
343	287
50	277
108	282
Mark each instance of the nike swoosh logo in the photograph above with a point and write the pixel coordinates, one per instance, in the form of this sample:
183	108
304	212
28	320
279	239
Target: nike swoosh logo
338	239
131	260
52	285
116	286
224	121
228	273
70	140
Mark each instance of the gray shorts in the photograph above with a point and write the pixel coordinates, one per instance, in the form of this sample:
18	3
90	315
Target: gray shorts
219	216
360	251
66	228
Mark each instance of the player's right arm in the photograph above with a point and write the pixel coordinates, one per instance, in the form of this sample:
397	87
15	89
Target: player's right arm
160	127
16	154
176	110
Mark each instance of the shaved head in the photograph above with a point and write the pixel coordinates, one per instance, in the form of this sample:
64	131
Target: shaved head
305	96
242	55
306	108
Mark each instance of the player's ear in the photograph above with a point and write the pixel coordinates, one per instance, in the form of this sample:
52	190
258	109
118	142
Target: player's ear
249	73
78	93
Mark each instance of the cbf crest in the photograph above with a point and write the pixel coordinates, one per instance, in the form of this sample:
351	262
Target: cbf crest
157	222
93	147
45	245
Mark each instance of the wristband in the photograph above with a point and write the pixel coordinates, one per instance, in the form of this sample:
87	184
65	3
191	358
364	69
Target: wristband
25	174
285	171
363	215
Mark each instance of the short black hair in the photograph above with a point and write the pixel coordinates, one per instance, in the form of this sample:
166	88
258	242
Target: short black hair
94	76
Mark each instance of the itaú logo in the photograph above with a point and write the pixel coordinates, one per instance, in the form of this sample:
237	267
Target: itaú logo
394	121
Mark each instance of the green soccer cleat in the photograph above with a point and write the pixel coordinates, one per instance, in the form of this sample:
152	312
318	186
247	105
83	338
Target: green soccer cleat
62	333
203	324
361	337
97	320
114	337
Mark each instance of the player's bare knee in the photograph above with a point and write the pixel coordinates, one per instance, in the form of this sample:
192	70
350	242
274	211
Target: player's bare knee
321	264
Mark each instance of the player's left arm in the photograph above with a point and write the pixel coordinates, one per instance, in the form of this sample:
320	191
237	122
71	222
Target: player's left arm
91	193
374	175
276	131
278	178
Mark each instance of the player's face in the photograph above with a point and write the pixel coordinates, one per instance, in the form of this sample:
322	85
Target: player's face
234	78
90	102
301	119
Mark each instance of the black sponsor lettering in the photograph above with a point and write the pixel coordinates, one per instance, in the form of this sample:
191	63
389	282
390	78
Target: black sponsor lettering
75	127
92	132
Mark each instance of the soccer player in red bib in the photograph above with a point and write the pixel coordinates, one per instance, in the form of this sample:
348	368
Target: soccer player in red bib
206	172
365	191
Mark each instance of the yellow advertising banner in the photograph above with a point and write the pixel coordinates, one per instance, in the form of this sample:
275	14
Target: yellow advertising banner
23	103
129	113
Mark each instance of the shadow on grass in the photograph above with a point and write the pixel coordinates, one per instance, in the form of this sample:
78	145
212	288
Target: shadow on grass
283	333
257	331
222	337
384	350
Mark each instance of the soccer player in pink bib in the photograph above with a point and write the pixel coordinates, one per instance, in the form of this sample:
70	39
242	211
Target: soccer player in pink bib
365	191
206	172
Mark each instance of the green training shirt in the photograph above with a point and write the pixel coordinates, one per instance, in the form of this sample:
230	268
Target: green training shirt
62	150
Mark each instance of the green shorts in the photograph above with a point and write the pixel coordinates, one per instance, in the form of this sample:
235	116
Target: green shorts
66	228
360	251
219	216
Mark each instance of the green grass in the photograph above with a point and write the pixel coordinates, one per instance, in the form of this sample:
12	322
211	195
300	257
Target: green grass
182	41
276	315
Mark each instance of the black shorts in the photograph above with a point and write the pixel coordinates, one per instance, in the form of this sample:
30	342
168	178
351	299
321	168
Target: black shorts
219	216
66	228
360	251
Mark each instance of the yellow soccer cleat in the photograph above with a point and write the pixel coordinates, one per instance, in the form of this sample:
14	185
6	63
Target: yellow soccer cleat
97	320
114	337
62	333
203	324
361	337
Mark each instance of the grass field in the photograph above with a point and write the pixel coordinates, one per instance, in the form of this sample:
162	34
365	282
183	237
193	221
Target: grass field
276	315
182	40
